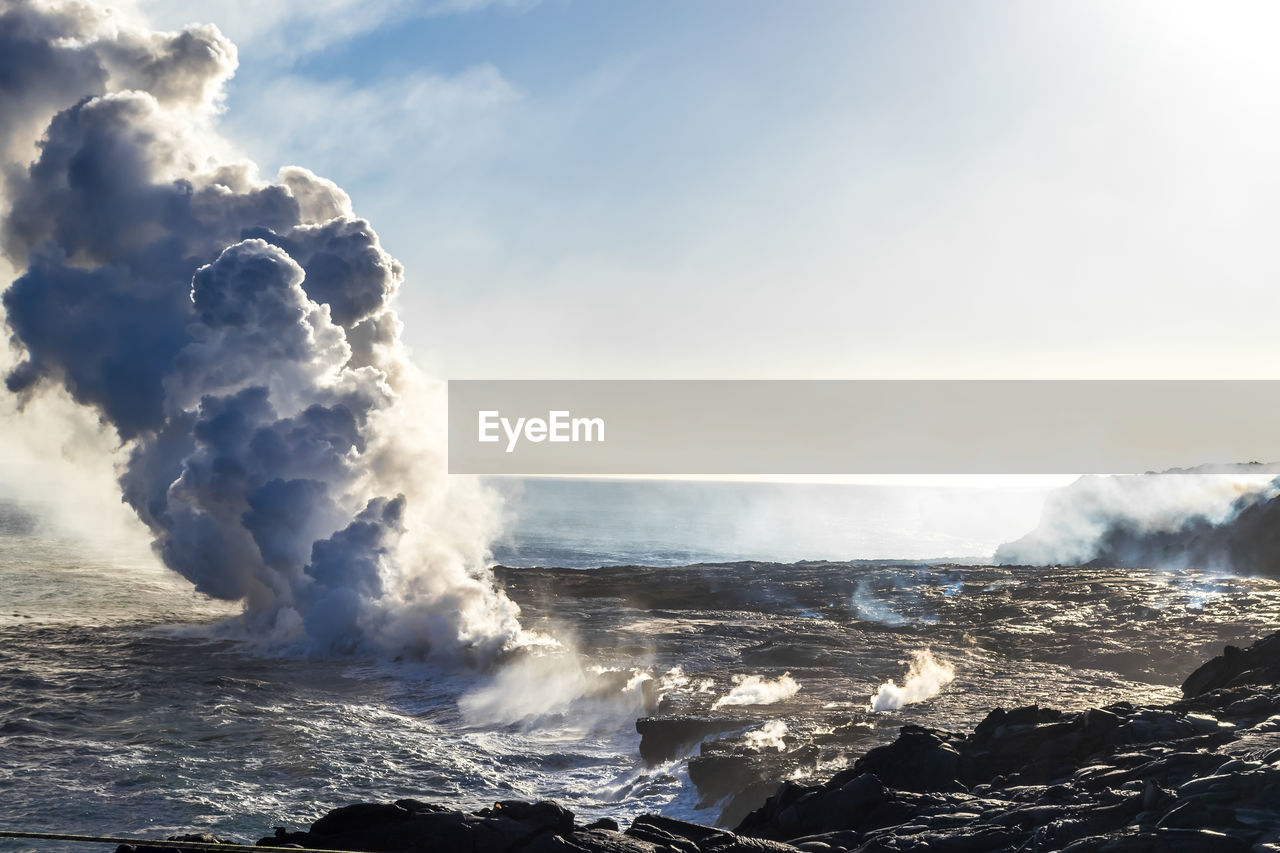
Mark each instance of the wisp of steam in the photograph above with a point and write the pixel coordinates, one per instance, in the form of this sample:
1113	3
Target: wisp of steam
925	679
237	335
1218	517
758	690
772	735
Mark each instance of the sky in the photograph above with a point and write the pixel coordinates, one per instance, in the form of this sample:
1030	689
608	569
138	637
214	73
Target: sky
741	189
809	190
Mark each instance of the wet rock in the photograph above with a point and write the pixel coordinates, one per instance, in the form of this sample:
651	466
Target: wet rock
1251	706
919	760
722	769
588	841
957	840
846	734
665	738
728	842
1037	745
847	802
542	814
410	825
359	818
695	833
662	838
1202	774
744	802
842	840
1258	664
202	837
1161	841
1149	724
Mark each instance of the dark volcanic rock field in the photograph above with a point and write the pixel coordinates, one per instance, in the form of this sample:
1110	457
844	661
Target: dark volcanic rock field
1067	637
1110	732
1199	774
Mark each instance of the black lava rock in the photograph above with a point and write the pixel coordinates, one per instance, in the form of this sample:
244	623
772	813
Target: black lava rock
1202	774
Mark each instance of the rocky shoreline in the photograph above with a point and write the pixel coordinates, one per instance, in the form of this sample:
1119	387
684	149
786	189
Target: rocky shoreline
1201	774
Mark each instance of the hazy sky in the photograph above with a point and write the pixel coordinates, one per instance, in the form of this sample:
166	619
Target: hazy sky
725	188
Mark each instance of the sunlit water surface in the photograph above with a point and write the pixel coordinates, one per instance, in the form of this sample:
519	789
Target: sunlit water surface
119	714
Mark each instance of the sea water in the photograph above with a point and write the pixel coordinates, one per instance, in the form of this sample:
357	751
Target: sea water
125	710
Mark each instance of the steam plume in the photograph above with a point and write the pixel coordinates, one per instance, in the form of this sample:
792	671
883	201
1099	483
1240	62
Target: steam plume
925	679
237	335
1219	517
772	735
553	682
758	690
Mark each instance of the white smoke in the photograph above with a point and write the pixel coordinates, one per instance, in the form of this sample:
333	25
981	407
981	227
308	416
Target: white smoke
551	681
1165	520
870	608
892	598
236	335
925	679
757	690
769	736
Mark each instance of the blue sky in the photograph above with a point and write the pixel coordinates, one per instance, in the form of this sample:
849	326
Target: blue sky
749	189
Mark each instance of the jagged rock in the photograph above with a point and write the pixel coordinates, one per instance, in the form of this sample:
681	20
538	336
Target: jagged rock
409	825
1036	745
1251	706
841	840
695	833
665	738
1258	664
729	842
360	817
744	802
159	847
662	837
720	771
919	760
1160	841
590	841
543	814
1202	774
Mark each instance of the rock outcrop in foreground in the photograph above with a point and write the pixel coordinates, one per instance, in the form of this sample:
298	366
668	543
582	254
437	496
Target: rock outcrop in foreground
1202	774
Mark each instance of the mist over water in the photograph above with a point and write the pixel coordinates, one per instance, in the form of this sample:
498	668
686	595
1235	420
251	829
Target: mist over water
577	523
119	692
120	687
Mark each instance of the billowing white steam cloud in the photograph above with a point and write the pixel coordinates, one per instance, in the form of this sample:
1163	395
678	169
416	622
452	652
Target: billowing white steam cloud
925	679
757	690
1215	517
236	334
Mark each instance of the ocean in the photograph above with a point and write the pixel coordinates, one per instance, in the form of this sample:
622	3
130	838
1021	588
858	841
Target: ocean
129	706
